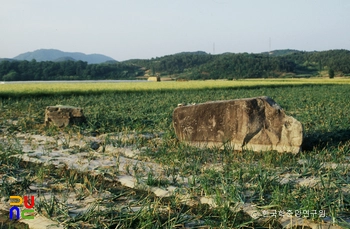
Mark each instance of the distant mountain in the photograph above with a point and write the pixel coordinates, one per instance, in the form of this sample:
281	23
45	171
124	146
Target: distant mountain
193	53
286	63
111	62
54	55
281	52
64	58
6	59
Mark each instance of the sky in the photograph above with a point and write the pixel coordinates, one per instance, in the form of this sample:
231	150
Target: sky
129	29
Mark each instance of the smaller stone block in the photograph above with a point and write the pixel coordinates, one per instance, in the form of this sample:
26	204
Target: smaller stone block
62	116
154	78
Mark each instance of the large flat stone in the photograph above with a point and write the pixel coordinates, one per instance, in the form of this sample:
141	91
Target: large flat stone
258	124
62	116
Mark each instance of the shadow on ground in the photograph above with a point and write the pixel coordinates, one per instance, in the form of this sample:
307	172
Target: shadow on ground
321	140
5	222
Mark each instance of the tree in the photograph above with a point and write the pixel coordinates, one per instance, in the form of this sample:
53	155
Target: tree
11	76
331	73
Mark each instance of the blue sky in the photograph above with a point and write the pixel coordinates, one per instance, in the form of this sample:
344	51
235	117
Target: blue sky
126	29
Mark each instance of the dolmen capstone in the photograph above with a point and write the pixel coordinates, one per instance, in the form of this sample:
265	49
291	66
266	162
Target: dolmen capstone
257	124
62	116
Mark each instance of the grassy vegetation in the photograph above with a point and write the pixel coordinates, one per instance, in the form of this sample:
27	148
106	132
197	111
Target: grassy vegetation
316	179
87	88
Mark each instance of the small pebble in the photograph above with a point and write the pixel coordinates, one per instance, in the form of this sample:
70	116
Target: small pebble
95	145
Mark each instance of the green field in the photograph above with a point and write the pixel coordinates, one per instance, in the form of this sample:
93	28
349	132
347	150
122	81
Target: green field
229	178
86	88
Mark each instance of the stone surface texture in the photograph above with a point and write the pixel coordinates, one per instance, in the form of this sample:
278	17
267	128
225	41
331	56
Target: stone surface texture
62	116
258	124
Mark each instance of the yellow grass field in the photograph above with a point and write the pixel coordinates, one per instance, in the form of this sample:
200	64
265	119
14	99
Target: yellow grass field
66	87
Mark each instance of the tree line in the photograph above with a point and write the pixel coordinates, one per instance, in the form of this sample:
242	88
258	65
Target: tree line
190	65
13	70
337	60
281	63
230	66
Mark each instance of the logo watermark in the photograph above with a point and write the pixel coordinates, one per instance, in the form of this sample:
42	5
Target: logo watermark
297	213
21	213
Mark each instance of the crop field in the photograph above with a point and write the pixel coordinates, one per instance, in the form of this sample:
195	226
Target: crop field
140	176
85	88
